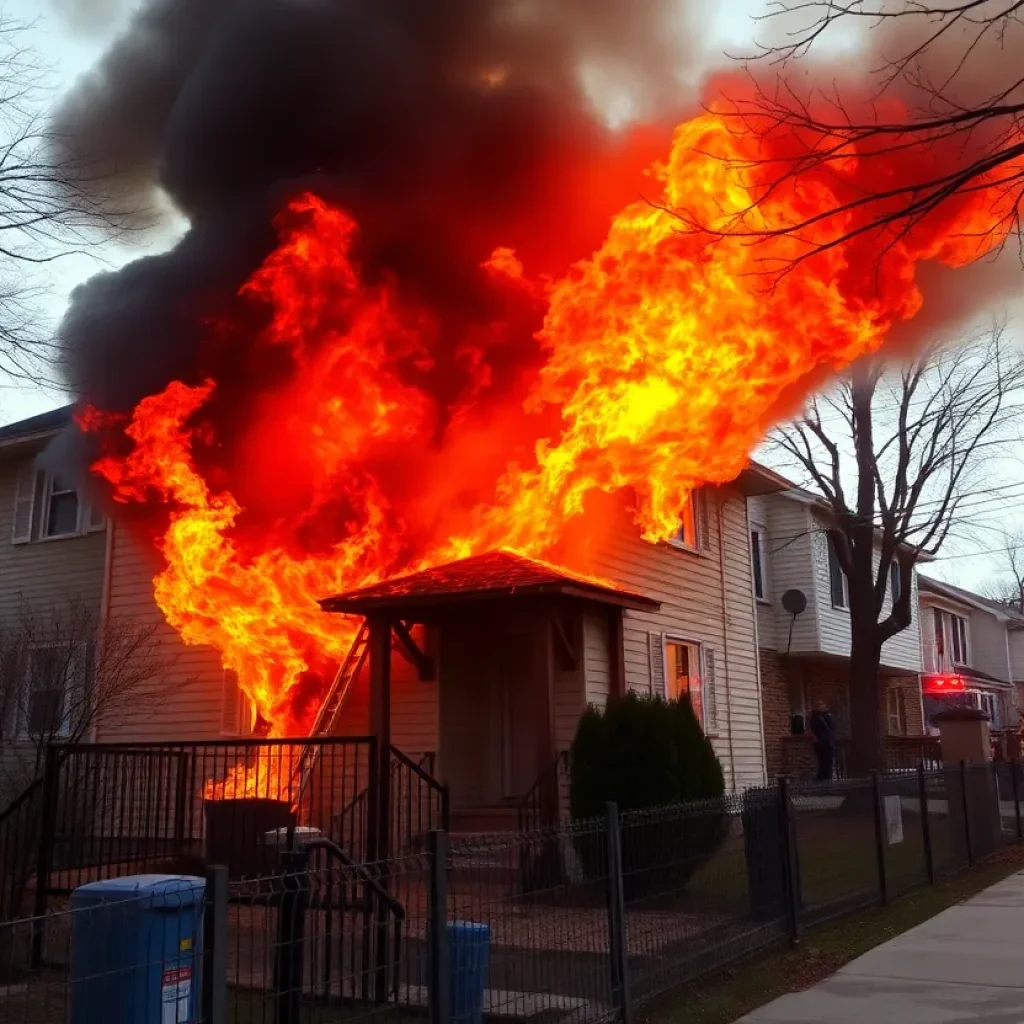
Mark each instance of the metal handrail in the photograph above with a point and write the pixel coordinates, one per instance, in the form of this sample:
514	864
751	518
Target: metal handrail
526	803
358	869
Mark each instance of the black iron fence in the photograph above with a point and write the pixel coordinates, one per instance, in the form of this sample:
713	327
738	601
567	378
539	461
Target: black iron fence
583	921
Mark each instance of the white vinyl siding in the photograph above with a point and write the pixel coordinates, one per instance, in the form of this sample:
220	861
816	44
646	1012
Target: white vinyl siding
691	591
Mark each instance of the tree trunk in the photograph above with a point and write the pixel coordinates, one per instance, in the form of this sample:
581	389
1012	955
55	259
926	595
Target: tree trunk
867	748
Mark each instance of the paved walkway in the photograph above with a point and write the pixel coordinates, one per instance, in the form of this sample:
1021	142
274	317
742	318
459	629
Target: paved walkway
966	964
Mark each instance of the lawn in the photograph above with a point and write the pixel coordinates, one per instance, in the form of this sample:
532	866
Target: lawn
729	994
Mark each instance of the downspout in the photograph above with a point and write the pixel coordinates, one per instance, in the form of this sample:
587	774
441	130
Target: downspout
108	561
920	647
1009	670
719	504
757	664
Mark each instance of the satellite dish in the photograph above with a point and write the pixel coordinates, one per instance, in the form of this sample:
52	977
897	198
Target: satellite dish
794	601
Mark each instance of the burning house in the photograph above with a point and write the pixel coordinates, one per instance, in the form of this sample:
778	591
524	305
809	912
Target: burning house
438	350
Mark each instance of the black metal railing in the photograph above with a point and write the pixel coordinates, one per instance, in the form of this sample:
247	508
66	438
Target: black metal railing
545	803
655	898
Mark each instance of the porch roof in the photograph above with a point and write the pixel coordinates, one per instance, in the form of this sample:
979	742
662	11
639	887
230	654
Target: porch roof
495	574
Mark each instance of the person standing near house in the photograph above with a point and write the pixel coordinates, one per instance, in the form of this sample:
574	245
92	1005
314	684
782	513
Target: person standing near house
823	729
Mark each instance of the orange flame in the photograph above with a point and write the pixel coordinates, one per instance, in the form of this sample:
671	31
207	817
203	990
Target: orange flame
668	354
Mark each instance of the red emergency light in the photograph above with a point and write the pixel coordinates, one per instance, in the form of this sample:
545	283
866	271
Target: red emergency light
936	686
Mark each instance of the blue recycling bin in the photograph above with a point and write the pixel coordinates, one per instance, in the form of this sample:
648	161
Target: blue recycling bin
136	947
469	953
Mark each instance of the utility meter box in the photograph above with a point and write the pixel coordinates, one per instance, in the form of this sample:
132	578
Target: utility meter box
136	949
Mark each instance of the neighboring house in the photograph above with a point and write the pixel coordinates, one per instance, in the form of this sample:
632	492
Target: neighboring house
973	650
805	657
52	554
677	618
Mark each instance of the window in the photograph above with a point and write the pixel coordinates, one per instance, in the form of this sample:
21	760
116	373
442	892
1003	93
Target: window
959	634
61	509
682	674
837	579
687	536
896	711
895	584
53	683
940	636
759	562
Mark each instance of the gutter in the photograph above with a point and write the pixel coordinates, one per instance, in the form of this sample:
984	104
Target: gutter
719	503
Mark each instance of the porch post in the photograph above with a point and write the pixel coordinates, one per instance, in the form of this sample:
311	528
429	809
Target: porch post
380	728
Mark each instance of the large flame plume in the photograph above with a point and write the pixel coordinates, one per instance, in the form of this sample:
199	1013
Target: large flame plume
663	359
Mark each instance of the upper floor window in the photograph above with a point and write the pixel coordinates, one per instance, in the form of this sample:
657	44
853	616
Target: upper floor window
47	507
838	583
759	562
959	636
895	582
62	510
689	523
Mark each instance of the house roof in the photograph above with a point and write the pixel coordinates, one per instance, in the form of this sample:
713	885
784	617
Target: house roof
985	604
46	424
495	574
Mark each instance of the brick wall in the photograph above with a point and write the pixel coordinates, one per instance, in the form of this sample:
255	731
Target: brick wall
788	684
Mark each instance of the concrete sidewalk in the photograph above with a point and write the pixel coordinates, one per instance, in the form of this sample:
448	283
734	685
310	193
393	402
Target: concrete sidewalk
966	964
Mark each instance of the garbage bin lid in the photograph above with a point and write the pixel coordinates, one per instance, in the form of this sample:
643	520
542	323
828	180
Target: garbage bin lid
303	833
470	928
162	890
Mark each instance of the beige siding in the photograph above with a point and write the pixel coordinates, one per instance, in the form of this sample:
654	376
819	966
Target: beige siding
1017	655
186	702
986	644
901	651
595	657
44	576
697	607
790	567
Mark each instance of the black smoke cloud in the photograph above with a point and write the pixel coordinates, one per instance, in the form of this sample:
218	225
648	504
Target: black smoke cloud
444	126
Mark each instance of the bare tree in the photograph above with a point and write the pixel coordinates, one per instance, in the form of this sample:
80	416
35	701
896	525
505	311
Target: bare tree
63	673
54	201
1008	586
938	93
895	452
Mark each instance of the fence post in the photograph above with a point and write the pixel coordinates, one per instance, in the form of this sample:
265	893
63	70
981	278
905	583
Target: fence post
790	874
215	946
926	828
1015	788
44	855
965	807
291	924
880	836
617	917
437	916
180	802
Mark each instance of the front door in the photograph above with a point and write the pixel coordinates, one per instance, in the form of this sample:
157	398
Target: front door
515	680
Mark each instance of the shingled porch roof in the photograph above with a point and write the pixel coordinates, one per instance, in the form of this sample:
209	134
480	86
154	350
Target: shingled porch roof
490	576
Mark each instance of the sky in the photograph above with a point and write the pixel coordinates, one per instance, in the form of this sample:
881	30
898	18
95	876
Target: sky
970	558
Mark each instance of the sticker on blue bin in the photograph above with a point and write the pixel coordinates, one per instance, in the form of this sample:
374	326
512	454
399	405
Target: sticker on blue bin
175	989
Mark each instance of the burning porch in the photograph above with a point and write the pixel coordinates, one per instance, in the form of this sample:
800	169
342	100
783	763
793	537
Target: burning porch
510	651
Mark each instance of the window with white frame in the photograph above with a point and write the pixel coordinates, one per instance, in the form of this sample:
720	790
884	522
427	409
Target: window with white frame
236	708
759	562
683	674
838	583
54	686
61	508
47	507
896	711
687	535
958	633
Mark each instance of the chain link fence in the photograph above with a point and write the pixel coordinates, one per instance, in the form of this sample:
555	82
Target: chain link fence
580	923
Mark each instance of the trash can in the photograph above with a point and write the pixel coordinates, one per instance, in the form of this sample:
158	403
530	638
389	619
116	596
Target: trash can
469	950
235	831
136	947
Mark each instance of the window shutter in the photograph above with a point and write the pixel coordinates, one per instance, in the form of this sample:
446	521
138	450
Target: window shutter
709	695
24	505
703	522
835	575
231	706
656	646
